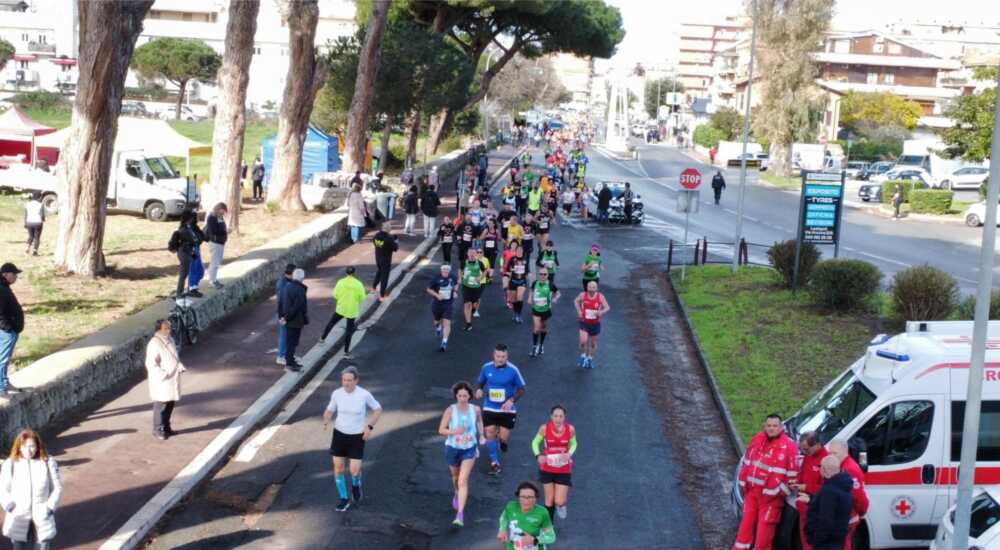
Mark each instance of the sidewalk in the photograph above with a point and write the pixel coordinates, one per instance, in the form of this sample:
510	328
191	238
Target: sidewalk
110	463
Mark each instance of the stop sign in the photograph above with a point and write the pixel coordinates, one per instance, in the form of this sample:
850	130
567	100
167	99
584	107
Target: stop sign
690	178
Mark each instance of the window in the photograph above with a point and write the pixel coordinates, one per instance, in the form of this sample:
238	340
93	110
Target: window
42	39
829	412
842	46
24	37
899	433
895	49
889	78
873	78
256	50
133	168
989	430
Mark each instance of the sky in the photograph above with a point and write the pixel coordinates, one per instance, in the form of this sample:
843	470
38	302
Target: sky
652	26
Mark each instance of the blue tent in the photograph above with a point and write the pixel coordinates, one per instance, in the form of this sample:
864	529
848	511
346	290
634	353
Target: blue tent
319	154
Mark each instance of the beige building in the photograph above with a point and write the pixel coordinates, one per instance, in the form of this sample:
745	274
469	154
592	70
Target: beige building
700	45
576	75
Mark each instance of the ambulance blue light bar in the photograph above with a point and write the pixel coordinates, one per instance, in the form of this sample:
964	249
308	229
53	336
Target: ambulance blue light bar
893	356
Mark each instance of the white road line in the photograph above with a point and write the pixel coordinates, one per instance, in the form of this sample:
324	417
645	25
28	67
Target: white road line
249	450
884	259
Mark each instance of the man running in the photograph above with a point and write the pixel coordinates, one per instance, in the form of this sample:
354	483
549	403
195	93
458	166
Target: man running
472	285
349	293
548	260
543	294
466	232
592	265
486	271
590	306
446	236
442	289
517	281
500	386
504	218
528	230
350	402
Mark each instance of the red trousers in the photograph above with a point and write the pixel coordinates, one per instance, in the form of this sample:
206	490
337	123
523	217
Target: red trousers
761	515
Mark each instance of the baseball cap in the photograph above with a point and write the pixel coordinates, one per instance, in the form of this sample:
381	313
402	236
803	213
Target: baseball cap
289	268
9	268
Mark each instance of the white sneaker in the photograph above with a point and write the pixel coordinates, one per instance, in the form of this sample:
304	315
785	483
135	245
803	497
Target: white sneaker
561	512
280	360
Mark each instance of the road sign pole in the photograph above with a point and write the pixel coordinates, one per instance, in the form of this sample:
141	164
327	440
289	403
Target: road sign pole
746	137
974	395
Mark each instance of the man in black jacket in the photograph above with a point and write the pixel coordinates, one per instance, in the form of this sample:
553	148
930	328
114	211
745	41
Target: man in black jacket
293	313
258	179
718	184
829	511
216	234
429	203
385	244
11	323
185	242
603	203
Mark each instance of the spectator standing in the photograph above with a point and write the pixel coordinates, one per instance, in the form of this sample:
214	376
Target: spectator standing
29	492
279	294
293	313
711	154
603	203
34	219
11	323
216	234
859	496
897	202
411	207
810	477
348	294
385	244
258	179
356	211
718	184
163	368
830	510
628	201
429	203
185	242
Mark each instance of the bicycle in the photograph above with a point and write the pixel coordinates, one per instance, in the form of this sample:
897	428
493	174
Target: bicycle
183	325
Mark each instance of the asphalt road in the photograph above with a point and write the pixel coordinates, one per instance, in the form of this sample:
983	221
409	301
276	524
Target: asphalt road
770	215
632	483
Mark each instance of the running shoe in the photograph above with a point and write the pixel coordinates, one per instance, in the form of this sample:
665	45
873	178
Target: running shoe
280	360
541	349
443	347
534	351
437	330
561	512
581	362
343	505
459	521
495	468
475	313
468	327
356	492
514	318
590	362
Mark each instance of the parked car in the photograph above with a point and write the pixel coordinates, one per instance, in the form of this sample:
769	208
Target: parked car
983	531
873	191
135	109
966	177
616	209
875	169
898	171
186	114
855	168
975	214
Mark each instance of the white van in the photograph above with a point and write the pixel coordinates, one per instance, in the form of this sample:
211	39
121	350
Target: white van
905	400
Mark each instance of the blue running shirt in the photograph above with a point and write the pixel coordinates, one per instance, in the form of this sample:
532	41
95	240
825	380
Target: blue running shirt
499	384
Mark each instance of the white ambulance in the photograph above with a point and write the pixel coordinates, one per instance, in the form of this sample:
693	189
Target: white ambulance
905	399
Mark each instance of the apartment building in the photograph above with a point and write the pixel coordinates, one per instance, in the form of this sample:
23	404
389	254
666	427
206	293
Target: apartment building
46	36
576	75
700	44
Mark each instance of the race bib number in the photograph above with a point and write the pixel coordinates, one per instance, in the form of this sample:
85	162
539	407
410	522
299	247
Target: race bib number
445	293
498	395
466	237
548	263
519	269
491	244
447	239
541	301
590	314
464	440
528	236
556	460
543	226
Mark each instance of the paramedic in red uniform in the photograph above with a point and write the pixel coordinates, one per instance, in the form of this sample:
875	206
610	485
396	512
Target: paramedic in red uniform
838	448
769	467
810	477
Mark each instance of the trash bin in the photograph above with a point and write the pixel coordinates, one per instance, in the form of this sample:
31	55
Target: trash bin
385	203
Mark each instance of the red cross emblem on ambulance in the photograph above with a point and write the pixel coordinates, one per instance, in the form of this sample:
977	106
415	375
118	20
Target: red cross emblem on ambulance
902	507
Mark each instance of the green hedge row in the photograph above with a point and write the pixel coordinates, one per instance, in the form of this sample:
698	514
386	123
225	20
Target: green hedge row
931	201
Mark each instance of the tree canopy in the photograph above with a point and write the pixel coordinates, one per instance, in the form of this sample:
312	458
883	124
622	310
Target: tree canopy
177	60
878	109
656	93
6	52
971	138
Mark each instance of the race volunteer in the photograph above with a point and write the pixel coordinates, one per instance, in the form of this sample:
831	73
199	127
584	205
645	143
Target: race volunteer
500	386
810	478
543	294
350	403
769	467
442	289
555	461
839	449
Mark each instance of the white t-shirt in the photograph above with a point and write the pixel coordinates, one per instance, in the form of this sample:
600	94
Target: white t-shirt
351	409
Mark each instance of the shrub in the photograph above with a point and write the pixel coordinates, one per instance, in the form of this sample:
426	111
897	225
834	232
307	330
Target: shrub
967	308
782	258
931	201
923	293
707	135
889	189
844	284
982	189
41	100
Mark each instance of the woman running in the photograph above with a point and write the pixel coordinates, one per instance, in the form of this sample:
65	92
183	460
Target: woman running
543	294
590	306
517	273
446	236
491	244
592	265
462	423
555	460
524	524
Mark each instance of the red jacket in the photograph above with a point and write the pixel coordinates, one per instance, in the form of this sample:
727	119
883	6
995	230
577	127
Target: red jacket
809	474
769	465
858	494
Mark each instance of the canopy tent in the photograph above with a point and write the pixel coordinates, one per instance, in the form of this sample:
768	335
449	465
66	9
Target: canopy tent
150	135
19	134
319	154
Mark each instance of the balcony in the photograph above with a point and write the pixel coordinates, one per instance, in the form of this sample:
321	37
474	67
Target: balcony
40	47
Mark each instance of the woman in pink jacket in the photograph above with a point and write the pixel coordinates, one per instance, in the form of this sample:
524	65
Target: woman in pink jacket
164	369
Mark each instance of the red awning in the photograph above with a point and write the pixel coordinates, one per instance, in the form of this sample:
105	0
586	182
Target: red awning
63	61
24	57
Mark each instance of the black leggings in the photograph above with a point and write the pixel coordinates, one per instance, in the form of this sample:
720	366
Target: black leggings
162	410
348	332
446	251
258	189
184	257
382	278
34	236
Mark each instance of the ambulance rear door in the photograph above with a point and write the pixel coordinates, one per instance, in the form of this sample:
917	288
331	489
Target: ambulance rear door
906	445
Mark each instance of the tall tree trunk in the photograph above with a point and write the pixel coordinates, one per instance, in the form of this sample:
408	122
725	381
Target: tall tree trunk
230	112
182	87
108	31
306	75
364	88
412	133
386	134
438	129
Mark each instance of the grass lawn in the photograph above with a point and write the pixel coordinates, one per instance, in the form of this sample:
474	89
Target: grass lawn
201	131
769	349
62	308
784	182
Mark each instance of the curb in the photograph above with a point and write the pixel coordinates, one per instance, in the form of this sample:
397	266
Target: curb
135	531
727	419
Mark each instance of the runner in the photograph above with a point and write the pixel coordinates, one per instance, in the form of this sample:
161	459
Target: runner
592	265
350	402
543	294
535	196
514	230
524	525
549	260
465	232
506	213
528	230
485	269
555	462
463	424
446	235
590	306
502	385
508	254
442	289
491	244
568	200
472	285
517	281
543	222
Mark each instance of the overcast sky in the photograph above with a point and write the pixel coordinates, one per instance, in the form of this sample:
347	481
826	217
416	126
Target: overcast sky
652	26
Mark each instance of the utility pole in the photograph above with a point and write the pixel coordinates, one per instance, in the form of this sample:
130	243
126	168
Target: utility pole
974	393
746	137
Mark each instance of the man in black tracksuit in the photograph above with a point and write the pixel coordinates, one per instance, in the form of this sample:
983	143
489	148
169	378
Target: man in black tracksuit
385	244
293	313
829	511
718	184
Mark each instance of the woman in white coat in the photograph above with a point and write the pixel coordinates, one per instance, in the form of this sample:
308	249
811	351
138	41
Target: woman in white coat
29	492
356	212
164	369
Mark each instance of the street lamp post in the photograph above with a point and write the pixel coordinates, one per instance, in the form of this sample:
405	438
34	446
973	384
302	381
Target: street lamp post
746	137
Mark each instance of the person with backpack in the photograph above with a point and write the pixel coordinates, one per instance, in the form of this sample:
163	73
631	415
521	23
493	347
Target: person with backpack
411	207
258	179
34	218
185	242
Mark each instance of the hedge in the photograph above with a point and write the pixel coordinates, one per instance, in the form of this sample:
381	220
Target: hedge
889	189
931	201
707	135
844	284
